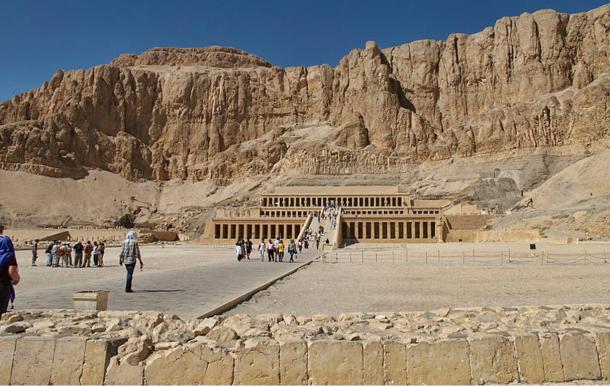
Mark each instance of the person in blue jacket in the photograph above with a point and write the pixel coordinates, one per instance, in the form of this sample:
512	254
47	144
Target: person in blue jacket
9	271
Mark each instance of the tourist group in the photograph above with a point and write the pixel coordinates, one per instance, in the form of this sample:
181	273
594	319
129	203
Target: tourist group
60	254
274	249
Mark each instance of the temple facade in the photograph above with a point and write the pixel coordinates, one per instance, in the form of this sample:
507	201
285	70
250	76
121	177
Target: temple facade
368	214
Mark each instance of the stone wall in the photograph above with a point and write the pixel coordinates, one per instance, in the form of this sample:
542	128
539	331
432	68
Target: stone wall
446	346
474	236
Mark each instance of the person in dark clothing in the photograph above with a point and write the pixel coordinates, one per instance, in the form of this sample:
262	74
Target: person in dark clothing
78	254
270	251
34	252
248	248
9	272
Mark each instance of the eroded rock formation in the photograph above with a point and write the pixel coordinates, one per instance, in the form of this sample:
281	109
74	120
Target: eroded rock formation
535	80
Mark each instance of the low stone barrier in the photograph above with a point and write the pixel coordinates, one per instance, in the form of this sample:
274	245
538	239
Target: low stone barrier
446	346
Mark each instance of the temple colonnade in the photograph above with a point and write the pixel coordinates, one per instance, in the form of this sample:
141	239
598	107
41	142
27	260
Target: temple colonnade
390	229
256	230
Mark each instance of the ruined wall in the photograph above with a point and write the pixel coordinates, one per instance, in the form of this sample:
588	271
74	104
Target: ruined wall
447	346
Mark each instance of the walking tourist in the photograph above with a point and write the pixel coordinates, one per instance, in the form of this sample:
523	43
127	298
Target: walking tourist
9	271
292	249
34	252
238	250
318	241
300	245
261	249
270	251
78	254
280	251
129	254
88	250
248	248
101	249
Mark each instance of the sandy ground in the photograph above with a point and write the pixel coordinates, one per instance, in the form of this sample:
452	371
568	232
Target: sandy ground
386	286
191	279
187	280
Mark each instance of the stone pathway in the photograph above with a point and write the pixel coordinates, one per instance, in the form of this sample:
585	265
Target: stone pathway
186	280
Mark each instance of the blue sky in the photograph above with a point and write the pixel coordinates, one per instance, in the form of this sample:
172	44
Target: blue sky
39	37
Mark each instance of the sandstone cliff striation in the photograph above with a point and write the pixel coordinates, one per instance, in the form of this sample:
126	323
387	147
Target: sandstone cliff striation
536	80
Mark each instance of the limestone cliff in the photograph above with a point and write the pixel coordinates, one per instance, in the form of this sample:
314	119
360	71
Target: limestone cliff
536	80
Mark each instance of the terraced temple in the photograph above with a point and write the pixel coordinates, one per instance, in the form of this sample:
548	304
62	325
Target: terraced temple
366	214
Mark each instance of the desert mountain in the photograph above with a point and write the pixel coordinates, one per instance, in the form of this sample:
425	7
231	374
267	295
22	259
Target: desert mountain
536	85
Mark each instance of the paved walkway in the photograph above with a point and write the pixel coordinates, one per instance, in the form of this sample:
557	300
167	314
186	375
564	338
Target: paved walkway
186	280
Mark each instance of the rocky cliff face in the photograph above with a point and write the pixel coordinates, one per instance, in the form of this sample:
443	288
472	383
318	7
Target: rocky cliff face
216	113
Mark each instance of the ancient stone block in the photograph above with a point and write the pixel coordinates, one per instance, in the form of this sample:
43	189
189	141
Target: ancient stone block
492	360
293	362
94	365
33	361
68	361
373	363
603	350
193	364
124	373
444	362
97	356
7	351
551	358
257	363
395	363
579	357
529	358
335	362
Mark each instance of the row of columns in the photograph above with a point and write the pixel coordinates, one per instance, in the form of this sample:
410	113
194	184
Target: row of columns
389	230
348	202
284	213
229	231
373	211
